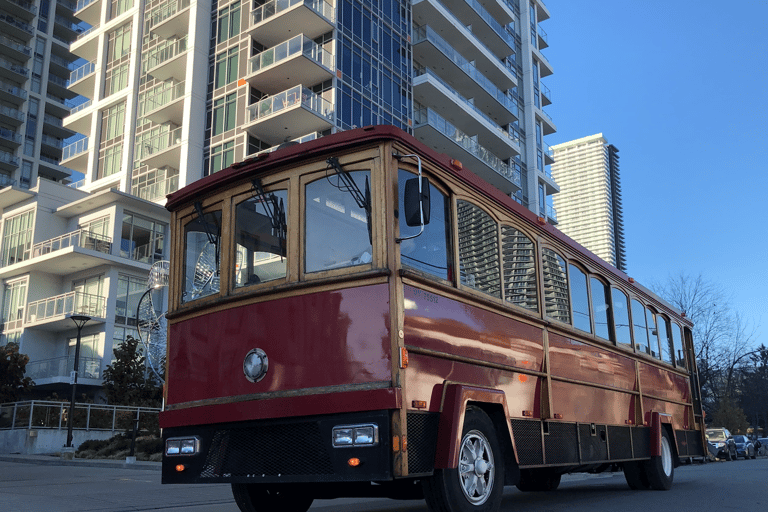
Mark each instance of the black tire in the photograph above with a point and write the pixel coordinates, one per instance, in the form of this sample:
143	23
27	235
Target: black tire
660	470
634	473
728	455
538	480
478	481
268	498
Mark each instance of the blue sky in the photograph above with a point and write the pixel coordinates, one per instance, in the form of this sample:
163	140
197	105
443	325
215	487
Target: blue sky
681	89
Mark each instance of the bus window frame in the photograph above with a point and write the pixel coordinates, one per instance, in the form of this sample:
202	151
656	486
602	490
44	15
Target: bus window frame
222	203
371	164
243	193
456	250
536	256
542	287
587	274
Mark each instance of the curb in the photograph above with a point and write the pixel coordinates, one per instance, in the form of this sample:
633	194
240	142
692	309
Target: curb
43	460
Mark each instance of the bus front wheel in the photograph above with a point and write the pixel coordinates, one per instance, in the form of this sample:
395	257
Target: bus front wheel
478	481
264	498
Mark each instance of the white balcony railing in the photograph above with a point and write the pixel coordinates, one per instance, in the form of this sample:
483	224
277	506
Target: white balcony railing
80	238
72	303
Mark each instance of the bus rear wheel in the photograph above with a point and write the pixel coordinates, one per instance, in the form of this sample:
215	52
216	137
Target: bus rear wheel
634	472
660	470
265	498
478	481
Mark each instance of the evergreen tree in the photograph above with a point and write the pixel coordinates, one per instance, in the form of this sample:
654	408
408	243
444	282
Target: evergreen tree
730	416
127	380
12	369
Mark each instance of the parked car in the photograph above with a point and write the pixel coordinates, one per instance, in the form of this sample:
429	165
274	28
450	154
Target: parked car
761	445
723	441
744	447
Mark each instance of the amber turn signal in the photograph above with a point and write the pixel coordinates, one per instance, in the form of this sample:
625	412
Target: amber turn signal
353	462
180	468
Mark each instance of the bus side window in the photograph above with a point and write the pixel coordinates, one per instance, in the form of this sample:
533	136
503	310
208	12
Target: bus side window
260	238
653	340
579	299
639	328
519	262
664	341
556	303
202	256
601	307
478	249
429	251
677	344
621	318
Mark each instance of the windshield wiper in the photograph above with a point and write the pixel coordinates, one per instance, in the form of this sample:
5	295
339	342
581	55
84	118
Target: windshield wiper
275	212
363	200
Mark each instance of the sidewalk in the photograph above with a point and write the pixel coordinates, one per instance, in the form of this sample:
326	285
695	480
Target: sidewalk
55	460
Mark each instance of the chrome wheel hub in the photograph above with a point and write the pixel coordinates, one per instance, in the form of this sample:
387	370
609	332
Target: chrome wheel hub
476	468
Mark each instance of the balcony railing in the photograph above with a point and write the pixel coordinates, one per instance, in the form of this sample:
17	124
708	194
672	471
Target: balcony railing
26	27
10	135
72	303
82	4
425	33
85	33
20	70
158	143
159	55
38	414
89	368
8	158
427	116
64	22
80	107
6	181
21	48
80	238
12	89
12	113
81	72
74	149
275	7
164	11
294	96
491	21
160	96
299	45
551	213
157	190
27	6
52	141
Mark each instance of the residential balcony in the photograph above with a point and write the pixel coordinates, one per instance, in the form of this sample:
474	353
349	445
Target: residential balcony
171	18
551	215
80	118
54	126
16	28
65	29
75	155
61	66
549	154
12	93
272	21
435	131
19	9
288	115
66	254
546	95
52	314
51	144
59	369
60	87
550	185
158	190
547	123
542	38
86	46
8	161
66	7
545	68
59	105
429	89
542	13
434	14
14	71
463	76
49	167
163	104
82	80
161	150
14	50
6	181
10	138
89	11
484	26
166	61
299	58
9	115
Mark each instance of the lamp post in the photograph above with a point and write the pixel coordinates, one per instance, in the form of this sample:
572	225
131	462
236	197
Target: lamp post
79	322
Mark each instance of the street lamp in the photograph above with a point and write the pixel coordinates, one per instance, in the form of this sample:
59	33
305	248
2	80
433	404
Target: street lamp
79	322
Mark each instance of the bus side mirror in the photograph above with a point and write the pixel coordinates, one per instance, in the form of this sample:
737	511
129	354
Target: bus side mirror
416	203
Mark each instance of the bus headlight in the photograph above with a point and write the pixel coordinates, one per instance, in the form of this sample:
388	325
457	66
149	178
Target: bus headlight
347	436
182	446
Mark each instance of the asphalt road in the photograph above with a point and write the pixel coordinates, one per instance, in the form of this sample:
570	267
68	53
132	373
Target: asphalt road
39	485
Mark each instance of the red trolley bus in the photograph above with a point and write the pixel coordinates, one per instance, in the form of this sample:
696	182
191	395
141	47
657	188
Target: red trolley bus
360	316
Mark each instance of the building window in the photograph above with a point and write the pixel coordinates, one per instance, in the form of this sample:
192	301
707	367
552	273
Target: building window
224	114
226	67
91	350
228	22
15	298
26	174
222	156
129	292
118	7
111	147
142	239
17	237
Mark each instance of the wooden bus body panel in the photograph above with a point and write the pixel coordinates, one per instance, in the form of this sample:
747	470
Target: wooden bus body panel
382	338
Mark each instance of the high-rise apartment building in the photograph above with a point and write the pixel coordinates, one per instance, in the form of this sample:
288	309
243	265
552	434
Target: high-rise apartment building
589	204
164	92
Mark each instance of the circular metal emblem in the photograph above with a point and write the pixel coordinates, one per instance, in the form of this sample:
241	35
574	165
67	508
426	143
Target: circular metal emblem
255	365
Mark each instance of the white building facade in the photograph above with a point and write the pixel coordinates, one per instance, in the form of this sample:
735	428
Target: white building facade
161	93
589	208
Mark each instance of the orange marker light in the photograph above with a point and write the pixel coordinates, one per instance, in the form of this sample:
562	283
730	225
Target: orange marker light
353	462
180	468
455	163
403	357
